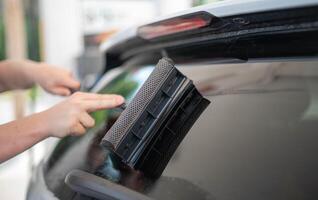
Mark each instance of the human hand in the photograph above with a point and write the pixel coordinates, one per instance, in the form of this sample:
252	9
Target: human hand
71	117
53	79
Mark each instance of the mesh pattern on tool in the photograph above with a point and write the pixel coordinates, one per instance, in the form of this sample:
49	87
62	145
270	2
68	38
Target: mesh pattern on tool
138	103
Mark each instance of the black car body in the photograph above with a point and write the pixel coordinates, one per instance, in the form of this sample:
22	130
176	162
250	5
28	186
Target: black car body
256	63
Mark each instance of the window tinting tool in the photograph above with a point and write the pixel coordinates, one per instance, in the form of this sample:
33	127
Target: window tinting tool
149	130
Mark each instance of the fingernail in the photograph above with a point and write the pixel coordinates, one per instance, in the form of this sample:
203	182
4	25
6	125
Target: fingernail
120	100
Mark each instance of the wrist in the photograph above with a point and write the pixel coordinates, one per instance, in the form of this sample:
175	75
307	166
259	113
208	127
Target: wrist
26	69
31	70
42	124
17	74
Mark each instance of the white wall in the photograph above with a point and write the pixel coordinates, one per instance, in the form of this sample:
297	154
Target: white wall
62	31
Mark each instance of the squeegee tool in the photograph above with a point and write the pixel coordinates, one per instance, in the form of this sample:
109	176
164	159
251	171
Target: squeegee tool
149	130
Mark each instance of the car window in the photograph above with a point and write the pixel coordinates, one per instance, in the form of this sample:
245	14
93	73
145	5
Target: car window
256	140
258	137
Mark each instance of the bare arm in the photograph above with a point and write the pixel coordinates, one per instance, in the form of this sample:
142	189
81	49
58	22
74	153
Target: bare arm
13	75
22	74
19	135
70	117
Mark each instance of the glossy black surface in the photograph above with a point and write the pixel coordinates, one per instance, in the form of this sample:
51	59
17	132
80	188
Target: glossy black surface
256	140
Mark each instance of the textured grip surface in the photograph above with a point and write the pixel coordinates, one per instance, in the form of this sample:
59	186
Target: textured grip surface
138	103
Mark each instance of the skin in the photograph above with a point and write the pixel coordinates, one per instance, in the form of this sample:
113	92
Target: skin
70	117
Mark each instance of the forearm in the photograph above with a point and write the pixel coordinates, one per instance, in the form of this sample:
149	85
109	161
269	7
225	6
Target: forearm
17	136
69	117
16	74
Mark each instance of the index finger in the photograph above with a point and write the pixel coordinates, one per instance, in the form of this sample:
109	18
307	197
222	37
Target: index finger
102	102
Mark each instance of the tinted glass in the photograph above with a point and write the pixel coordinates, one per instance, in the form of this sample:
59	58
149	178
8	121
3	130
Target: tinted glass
256	140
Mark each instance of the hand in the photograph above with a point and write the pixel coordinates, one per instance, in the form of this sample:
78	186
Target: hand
53	79
71	117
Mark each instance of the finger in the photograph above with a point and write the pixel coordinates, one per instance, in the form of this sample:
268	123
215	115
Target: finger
60	91
69	82
86	120
66	79
94	97
91	96
102	103
78	129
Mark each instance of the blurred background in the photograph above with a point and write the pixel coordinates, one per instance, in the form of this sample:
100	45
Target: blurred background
65	33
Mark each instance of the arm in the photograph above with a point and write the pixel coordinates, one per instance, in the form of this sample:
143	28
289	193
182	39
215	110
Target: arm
22	74
14	76
70	117
19	135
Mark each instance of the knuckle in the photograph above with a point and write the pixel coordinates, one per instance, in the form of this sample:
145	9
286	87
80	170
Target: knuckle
77	106
91	123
